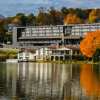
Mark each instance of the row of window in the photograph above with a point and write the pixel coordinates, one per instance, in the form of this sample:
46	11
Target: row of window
80	32
44	31
58	30
85	27
39	34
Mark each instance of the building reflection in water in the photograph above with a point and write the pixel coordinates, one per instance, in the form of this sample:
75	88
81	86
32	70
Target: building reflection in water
49	81
11	77
37	80
84	83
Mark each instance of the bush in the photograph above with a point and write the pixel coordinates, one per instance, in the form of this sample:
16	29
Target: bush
96	56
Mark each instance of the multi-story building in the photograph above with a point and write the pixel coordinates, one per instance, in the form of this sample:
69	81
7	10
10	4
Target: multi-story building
41	36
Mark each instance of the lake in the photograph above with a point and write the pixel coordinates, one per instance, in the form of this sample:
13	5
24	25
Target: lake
49	81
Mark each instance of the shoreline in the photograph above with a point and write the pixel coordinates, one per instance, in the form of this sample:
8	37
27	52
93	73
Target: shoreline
10	53
7	53
59	62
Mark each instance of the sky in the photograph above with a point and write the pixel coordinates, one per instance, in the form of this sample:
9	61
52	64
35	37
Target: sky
11	7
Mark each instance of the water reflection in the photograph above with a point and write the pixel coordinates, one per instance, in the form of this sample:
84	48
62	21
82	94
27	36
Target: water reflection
49	81
90	79
84	84
37	80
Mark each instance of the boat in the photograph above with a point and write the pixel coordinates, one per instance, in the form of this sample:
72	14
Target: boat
11	60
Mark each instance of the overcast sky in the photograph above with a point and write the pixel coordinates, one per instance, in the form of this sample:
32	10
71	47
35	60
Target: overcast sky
11	7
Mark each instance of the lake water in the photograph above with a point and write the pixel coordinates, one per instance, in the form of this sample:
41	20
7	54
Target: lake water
49	81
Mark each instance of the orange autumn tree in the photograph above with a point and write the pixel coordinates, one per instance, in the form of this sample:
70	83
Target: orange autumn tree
90	43
72	19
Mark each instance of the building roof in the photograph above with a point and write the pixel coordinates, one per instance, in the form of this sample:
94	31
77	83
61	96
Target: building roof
26	50
73	47
63	48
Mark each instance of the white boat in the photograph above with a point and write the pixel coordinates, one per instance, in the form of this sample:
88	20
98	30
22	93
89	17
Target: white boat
11	60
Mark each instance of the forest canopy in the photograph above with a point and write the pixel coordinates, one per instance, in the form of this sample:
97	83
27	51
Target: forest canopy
49	16
53	16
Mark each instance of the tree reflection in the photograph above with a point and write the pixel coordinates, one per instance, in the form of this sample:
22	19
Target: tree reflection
89	79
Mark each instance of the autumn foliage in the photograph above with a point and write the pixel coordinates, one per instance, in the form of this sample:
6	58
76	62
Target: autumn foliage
89	82
50	16
72	19
94	16
90	43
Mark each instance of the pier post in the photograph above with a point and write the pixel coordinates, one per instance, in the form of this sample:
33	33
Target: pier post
54	58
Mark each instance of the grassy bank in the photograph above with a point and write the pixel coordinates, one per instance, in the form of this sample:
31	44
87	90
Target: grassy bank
6	53
70	62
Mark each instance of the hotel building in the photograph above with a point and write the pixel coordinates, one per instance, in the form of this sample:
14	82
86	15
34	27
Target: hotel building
44	36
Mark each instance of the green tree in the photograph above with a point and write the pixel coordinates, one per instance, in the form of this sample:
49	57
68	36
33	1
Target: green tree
2	30
64	11
31	19
21	18
94	15
81	13
56	17
96	56
42	17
